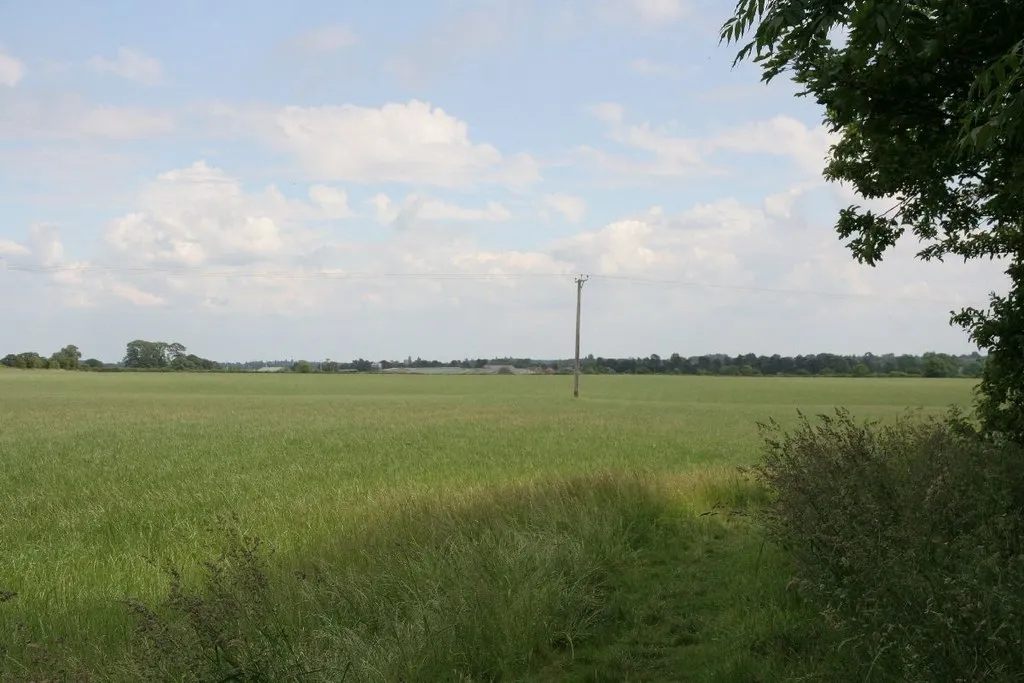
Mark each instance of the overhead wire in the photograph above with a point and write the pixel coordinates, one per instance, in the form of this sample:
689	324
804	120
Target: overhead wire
327	274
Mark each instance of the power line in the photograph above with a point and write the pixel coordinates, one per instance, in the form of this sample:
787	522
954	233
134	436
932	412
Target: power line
767	290
40	269
281	274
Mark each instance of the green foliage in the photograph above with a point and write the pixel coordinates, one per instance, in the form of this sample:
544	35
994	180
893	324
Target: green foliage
28	360
821	364
1001	404
149	355
145	354
927	99
910	535
67	358
303	366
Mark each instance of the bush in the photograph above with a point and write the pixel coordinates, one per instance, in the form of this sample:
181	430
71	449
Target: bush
910	536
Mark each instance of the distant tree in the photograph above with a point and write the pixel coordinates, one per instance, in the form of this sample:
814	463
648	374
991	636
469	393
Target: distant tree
939	365
302	366
93	363
68	357
157	355
145	354
861	370
973	368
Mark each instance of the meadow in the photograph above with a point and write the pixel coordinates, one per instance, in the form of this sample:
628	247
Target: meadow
455	528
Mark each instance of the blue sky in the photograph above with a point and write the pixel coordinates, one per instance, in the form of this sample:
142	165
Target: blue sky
382	179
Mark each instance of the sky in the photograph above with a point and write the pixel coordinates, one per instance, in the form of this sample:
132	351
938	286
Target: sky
339	180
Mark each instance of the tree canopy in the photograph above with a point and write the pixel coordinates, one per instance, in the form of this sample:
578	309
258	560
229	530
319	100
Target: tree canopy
154	355
926	99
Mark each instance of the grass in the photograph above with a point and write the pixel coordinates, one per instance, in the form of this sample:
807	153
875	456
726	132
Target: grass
479	476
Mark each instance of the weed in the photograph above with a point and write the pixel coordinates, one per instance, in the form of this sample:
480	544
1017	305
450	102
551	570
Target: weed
230	629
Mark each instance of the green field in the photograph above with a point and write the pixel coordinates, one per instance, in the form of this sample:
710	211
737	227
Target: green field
99	472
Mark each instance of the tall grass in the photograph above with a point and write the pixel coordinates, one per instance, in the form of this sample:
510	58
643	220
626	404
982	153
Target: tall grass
602	577
461	477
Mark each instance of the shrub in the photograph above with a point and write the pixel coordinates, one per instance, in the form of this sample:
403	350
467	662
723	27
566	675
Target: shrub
910	536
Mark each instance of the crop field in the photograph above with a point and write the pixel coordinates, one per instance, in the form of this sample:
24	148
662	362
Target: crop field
448	528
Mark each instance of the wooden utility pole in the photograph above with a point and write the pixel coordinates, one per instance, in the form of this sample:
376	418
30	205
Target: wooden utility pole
576	371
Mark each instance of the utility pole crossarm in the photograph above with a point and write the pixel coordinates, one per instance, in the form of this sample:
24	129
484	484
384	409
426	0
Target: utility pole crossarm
580	279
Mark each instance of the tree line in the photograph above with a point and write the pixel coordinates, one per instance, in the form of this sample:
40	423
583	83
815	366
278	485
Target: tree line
162	356
68	358
824	364
139	355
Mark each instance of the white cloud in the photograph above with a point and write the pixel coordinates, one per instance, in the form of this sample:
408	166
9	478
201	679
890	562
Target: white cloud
12	248
130	64
649	68
781	136
123	123
649	13
404	143
730	269
611	113
323	40
509	262
45	244
518	171
675	155
79	283
700	243
669	155
572	209
197	215
333	201
280	266
11	70
676	151
135	295
417	208
67	117
781	204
